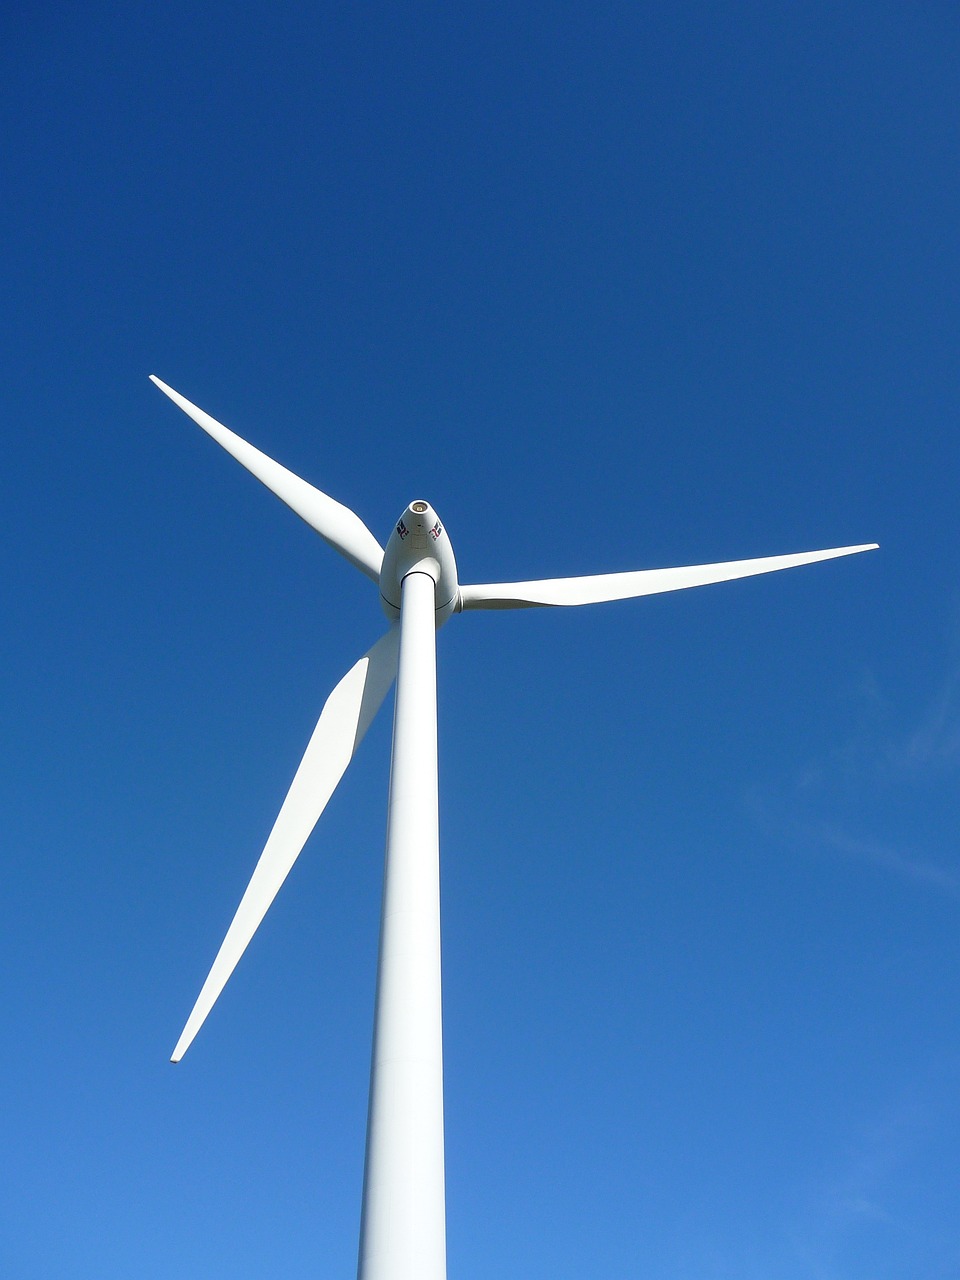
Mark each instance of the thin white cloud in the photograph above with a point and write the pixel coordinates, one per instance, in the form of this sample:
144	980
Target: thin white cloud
919	870
872	1185
897	776
935	742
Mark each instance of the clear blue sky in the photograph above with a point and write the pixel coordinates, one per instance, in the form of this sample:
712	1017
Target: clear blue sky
613	286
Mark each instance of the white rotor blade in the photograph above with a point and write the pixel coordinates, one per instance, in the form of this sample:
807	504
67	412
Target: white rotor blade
335	523
601	587
345	718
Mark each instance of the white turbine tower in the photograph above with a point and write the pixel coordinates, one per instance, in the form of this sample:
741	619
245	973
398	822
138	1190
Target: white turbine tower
402	1232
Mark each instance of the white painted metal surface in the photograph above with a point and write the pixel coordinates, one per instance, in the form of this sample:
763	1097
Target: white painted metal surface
335	523
402	1232
346	716
600	587
419	542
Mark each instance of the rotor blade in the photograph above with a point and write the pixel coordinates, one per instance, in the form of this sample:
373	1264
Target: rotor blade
600	587
335	523
345	718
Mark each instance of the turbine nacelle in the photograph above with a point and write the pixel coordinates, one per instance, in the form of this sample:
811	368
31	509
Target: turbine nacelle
419	544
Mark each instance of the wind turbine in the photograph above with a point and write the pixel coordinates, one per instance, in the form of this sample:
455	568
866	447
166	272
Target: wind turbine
402	1230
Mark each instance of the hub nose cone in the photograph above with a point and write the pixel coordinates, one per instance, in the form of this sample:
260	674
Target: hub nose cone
419	526
420	515
419	543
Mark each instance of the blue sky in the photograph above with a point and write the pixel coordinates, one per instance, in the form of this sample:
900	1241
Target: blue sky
612	287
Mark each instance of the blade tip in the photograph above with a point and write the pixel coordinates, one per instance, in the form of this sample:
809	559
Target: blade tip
183	1044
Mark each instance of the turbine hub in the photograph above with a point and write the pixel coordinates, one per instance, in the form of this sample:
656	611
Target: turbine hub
419	544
